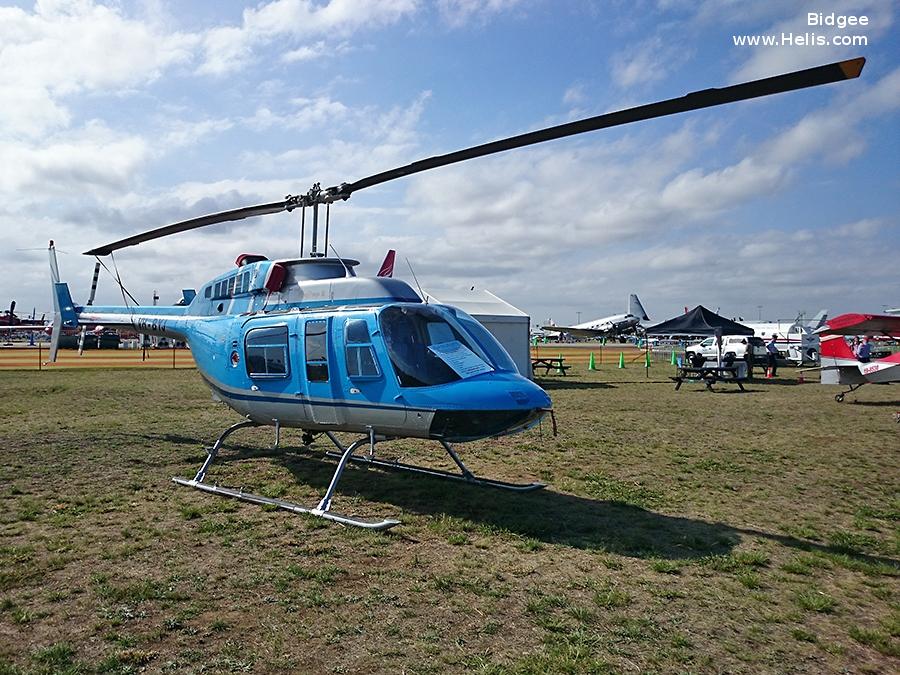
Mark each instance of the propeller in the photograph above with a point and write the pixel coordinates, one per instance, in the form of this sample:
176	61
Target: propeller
706	98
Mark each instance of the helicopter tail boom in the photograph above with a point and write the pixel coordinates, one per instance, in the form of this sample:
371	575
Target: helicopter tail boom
153	320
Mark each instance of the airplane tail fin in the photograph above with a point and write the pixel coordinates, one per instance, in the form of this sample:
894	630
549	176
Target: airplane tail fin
636	308
64	308
387	267
64	316
835	346
819	319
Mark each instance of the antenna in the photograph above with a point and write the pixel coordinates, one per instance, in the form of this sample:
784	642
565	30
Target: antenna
338	255
424	297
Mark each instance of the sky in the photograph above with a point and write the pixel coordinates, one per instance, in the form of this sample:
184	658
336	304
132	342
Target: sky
120	117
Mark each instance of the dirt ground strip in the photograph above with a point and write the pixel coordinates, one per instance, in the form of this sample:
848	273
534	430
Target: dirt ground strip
682	531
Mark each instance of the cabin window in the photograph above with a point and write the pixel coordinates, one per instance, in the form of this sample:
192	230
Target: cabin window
361	360
316	351
230	290
208	292
245	282
267	352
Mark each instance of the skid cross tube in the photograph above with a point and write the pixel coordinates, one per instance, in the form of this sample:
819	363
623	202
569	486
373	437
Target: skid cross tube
214	450
322	510
465	475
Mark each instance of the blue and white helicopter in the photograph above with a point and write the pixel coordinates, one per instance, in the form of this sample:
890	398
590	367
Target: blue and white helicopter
307	344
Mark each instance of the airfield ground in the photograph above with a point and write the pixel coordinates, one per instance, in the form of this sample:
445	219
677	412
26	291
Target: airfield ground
682	531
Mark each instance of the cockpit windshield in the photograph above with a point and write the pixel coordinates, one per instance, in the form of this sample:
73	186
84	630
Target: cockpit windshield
408	334
499	357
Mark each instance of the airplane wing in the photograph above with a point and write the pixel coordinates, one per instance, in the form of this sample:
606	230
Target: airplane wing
580	332
20	328
862	324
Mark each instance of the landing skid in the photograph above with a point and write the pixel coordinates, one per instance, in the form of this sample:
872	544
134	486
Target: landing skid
322	510
465	476
288	506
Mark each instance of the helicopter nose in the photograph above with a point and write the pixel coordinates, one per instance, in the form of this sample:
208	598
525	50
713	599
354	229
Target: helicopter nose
490	406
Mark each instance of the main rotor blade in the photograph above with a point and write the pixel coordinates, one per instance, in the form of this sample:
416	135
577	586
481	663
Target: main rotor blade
811	77
192	224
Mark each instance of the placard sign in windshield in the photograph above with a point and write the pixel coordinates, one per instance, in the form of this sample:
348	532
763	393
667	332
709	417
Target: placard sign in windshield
460	358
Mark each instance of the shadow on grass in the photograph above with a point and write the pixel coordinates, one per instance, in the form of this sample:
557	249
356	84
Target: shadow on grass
545	515
550	385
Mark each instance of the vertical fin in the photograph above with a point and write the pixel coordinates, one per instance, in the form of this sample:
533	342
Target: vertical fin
635	308
387	267
836	347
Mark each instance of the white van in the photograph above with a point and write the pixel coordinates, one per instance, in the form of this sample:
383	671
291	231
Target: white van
734	347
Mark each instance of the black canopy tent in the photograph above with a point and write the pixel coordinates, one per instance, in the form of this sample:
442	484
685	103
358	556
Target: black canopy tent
699	321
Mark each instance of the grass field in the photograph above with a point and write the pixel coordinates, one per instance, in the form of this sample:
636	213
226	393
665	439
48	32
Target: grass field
682	531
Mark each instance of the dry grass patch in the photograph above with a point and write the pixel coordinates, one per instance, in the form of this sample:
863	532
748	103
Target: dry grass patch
682	531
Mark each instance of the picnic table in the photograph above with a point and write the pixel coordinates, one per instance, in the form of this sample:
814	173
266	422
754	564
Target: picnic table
709	375
549	363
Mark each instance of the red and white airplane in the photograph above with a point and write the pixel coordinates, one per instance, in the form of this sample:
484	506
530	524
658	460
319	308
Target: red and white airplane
841	366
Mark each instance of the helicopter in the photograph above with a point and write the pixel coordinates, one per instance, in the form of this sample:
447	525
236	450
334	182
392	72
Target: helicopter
306	343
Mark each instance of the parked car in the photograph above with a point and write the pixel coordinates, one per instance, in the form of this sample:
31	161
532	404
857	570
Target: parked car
734	347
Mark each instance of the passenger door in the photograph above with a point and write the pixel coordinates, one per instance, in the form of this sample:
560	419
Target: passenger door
319	372
371	389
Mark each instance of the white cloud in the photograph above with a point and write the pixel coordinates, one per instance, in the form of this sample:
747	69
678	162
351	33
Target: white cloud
181	133
65	48
458	13
705	192
376	141
649	61
93	160
304	53
307	113
574	95
229	48
866	228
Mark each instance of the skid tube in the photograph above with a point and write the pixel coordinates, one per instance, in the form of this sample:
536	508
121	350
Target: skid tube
464	476
321	510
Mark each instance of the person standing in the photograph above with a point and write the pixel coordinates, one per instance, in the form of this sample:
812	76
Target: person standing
864	350
771	357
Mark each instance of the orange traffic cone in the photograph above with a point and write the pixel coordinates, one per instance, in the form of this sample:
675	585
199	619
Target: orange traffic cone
768	373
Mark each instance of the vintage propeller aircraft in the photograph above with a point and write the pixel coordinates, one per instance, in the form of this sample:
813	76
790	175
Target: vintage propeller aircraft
616	325
305	343
841	366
